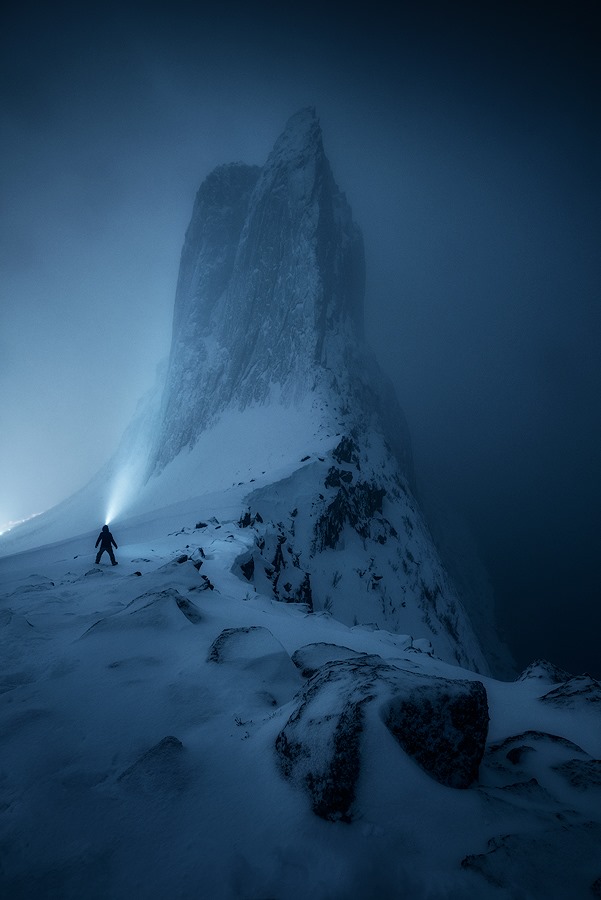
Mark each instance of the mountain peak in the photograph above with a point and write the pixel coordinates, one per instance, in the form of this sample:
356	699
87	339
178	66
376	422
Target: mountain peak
270	290
301	134
270	381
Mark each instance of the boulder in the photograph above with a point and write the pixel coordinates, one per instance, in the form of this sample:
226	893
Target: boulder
310	658
582	690
441	723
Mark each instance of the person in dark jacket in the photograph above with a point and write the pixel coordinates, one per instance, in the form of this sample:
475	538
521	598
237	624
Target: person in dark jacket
106	539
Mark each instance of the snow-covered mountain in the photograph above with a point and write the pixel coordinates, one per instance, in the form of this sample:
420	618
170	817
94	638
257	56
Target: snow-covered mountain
278	691
268	367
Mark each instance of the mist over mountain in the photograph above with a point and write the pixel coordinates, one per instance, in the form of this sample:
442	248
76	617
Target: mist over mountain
280	688
267	332
270	296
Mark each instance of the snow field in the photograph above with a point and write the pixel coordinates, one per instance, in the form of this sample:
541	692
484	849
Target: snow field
102	665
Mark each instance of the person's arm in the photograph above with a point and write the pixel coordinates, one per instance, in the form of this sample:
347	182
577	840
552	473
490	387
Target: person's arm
114	542
97	540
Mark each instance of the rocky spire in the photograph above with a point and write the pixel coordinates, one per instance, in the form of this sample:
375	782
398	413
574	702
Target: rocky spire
270	289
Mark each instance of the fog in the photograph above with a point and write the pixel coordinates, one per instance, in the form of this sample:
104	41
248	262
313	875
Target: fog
467	144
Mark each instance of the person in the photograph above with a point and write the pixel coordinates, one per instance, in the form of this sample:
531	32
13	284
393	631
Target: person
106	539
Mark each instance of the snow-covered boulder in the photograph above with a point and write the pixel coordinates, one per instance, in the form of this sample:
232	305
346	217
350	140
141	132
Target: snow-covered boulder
555	863
156	609
258	661
582	689
545	671
312	657
442	724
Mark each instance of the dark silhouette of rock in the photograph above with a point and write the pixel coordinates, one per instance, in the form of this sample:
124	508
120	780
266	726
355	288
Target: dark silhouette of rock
443	726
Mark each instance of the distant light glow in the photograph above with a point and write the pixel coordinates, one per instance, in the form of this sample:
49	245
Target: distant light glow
8	525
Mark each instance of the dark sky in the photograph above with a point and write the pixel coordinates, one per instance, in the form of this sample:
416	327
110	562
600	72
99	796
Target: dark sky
467	140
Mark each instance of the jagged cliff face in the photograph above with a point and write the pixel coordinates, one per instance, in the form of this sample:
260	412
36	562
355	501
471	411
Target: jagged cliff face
270	291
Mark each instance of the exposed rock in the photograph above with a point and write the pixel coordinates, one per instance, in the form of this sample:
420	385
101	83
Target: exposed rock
312	657
319	747
273	567
443	726
441	723
582	774
188	609
347	451
337	477
545	671
355	505
581	689
247	566
246	519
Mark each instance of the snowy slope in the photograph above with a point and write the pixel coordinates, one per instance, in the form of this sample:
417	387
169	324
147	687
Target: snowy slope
140	710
